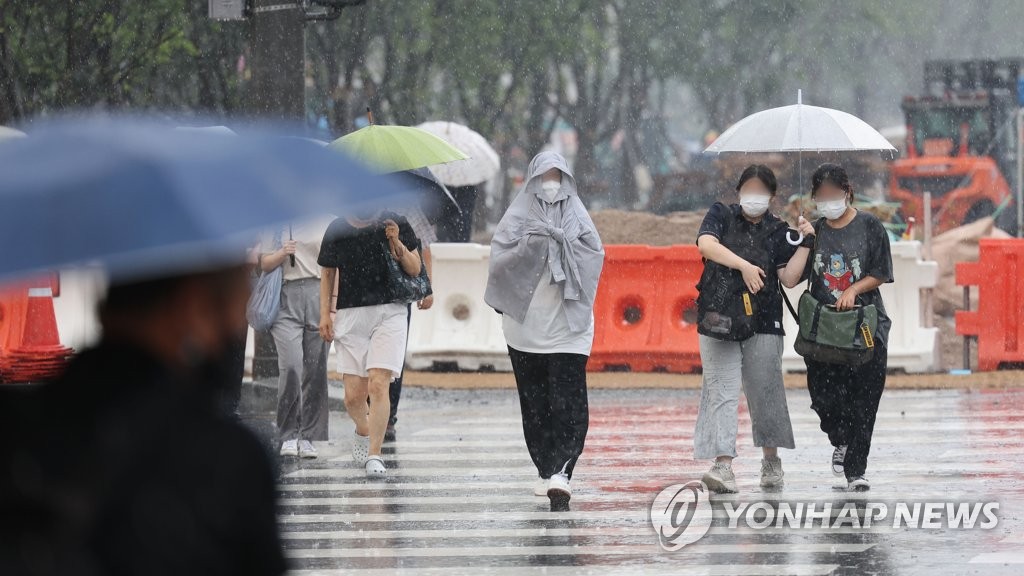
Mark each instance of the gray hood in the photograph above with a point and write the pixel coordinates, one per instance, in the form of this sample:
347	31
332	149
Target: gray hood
534	233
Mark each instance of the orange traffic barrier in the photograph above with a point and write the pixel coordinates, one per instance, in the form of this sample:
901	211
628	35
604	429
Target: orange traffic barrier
30	348
645	312
998	323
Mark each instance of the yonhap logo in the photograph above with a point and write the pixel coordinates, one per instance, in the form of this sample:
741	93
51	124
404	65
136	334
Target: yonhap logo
681	515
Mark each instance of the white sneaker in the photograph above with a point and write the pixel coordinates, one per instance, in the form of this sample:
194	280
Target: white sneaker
859	484
771	472
360	449
307	450
541	487
559	492
838	458
375	467
720	479
290	448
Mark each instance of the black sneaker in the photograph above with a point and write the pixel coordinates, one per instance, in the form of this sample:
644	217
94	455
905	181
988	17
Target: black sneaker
389	434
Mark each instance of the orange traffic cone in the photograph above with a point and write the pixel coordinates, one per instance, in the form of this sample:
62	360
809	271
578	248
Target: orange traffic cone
30	348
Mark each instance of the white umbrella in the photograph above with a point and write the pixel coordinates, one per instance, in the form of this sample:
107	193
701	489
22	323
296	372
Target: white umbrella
483	162
6	133
800	128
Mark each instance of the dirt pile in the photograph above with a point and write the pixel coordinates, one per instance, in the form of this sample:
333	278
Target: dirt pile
621	227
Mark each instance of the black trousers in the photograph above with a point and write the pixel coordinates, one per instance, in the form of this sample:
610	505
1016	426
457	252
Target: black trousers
395	390
553	400
846	399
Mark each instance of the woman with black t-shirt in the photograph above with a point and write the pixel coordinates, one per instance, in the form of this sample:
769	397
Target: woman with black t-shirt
850	260
745	250
371	329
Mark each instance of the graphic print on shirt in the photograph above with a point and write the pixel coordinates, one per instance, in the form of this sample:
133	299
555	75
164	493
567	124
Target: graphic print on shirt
838	276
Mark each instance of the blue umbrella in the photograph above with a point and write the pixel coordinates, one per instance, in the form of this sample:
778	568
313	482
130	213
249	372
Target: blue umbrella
145	200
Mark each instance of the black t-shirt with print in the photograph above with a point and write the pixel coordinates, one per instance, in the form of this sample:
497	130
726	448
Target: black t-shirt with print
359	255
843	256
778	251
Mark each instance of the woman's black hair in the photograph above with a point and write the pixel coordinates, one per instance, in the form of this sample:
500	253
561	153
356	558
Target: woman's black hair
762	173
833	174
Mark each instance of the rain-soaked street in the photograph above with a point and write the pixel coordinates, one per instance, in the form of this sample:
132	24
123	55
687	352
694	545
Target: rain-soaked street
458	499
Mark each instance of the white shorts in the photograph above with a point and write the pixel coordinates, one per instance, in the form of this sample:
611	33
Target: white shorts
371	337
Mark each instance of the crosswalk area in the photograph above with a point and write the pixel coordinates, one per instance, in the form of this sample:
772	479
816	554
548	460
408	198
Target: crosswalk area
459	499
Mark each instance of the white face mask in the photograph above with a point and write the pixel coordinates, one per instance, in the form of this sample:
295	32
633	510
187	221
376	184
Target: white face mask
754	205
832	209
549	190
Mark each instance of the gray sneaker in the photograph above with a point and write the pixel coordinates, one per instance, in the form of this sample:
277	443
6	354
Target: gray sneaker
720	479
838	459
771	472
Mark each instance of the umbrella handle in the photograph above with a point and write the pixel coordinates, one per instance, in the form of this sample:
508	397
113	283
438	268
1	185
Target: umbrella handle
799	237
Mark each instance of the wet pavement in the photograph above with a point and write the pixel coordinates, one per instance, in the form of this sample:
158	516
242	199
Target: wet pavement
458	497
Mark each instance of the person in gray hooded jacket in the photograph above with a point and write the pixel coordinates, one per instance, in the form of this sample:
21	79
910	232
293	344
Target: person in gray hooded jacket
546	259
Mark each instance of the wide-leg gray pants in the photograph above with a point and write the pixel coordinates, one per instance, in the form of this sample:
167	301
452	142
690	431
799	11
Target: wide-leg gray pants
302	362
755	365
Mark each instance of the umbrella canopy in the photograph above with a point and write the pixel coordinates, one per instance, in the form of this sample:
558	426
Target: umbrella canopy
800	128
146	200
483	163
435	196
397	148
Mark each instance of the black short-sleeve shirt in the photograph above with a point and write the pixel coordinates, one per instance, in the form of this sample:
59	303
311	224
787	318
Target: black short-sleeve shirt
843	256
718	219
359	255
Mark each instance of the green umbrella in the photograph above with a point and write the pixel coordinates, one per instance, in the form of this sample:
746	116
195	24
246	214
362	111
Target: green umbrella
397	148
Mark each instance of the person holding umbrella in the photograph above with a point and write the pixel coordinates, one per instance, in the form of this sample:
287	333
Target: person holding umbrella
131	450
301	354
371	328
133	467
740	328
434	199
546	259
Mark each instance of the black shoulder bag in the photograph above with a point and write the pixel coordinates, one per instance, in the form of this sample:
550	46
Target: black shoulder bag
726	310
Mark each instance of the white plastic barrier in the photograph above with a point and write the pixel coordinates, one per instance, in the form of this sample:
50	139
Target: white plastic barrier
460	329
81	289
912	347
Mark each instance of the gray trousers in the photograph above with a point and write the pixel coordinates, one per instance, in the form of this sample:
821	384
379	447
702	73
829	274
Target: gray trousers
755	364
302	362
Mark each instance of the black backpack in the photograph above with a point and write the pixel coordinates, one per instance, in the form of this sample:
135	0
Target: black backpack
726	310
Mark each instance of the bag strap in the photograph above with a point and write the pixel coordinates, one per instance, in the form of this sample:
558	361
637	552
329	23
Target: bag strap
785	298
815	320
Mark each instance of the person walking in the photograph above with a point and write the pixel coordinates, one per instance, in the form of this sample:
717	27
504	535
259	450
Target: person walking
740	329
546	260
371	327
302	356
426	233
850	261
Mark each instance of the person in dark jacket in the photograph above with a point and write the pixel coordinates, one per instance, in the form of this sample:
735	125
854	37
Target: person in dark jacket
134	467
